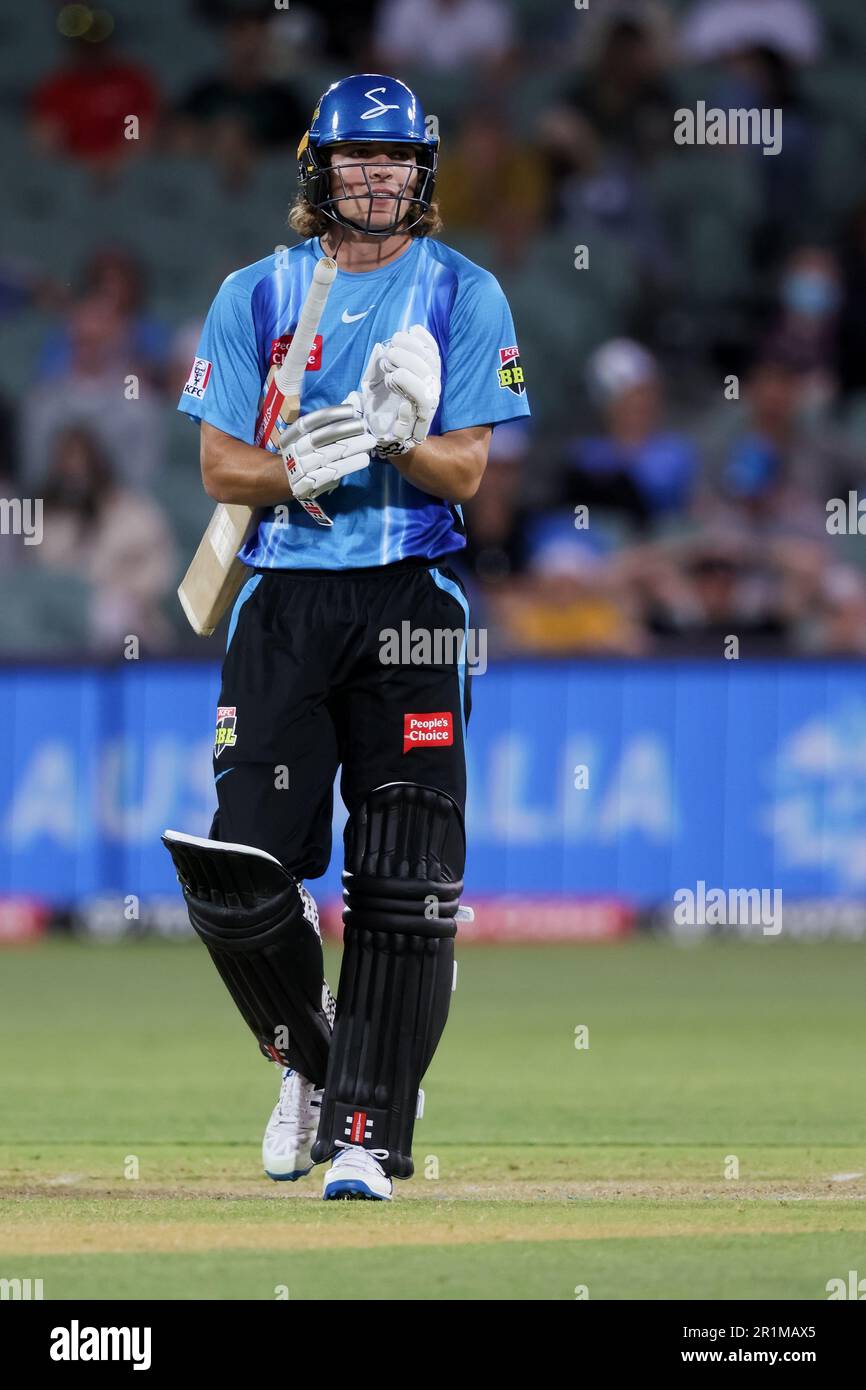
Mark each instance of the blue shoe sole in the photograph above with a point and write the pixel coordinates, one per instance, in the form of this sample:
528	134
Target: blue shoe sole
289	1177
351	1188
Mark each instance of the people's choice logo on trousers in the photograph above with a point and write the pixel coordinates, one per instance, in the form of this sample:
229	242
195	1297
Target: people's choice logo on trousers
428	731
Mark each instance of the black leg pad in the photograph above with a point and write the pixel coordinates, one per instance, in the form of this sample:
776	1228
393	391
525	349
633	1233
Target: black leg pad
248	911
405	853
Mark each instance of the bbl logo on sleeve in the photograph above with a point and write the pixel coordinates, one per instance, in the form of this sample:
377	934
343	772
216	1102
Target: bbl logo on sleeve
226	725
510	373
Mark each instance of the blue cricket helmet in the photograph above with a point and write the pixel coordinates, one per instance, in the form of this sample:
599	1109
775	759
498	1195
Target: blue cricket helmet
368	108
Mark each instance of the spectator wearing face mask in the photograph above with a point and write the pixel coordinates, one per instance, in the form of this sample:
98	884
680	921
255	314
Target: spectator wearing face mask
806	330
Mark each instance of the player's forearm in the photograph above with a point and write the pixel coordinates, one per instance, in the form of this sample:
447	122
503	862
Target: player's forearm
446	467
235	472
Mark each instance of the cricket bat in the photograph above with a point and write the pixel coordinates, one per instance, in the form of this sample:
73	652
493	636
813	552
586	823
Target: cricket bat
215	574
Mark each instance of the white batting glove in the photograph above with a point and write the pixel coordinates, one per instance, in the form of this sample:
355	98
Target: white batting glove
324	447
400	390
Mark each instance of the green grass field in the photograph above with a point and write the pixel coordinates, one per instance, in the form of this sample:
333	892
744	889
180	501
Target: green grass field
539	1167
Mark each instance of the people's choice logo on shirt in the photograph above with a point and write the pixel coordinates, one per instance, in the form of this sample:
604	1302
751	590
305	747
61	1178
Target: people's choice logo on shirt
510	373
196	382
279	348
378	108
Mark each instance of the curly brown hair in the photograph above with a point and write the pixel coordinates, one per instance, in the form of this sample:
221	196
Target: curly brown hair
308	221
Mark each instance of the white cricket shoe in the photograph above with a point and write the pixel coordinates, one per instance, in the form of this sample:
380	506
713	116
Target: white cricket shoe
292	1129
356	1174
295	1118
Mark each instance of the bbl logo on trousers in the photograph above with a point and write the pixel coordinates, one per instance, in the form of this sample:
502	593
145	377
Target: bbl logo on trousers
226	725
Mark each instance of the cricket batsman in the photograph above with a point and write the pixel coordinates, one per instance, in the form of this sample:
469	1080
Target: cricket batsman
414	364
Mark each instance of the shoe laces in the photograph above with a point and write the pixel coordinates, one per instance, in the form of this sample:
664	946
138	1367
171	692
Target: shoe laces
297	1100
310	909
311	913
329	1005
379	1154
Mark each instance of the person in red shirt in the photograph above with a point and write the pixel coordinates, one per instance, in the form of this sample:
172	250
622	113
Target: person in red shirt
81	109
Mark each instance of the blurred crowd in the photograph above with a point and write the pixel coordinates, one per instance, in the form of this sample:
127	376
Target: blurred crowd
692	320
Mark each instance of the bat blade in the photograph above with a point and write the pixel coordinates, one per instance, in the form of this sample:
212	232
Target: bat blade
215	574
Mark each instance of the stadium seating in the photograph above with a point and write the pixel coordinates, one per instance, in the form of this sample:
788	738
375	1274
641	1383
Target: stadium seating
49	615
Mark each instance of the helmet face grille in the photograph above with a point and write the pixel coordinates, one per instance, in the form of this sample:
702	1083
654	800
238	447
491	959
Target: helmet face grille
315	176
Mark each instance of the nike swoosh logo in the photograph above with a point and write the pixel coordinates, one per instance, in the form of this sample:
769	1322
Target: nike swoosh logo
351	318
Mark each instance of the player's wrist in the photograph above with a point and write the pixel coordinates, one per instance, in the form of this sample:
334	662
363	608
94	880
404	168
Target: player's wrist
414	465
405	460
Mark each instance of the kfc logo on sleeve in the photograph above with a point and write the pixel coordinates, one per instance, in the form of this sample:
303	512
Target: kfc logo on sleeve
428	730
196	382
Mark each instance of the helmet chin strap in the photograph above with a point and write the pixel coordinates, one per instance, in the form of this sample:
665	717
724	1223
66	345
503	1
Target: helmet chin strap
339	245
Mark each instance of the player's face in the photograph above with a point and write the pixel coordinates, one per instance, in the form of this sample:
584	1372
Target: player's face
376	181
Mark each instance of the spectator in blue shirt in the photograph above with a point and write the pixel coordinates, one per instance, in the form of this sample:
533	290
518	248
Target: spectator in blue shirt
637	466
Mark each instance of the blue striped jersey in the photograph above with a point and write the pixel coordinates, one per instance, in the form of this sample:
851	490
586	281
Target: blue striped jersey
379	516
